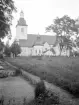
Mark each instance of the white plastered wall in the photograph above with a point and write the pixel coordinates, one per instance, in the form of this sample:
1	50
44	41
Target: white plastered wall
19	34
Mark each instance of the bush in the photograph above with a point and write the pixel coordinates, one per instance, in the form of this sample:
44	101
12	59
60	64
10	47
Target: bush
7	51
2	100
3	75
18	72
1	56
40	89
52	98
74	89
76	53
44	97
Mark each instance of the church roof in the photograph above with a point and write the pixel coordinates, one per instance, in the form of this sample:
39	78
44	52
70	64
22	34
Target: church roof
21	22
32	40
38	41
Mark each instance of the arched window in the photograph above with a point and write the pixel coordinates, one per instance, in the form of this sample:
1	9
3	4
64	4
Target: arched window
36	51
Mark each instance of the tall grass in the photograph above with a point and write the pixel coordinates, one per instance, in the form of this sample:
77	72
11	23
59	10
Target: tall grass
61	71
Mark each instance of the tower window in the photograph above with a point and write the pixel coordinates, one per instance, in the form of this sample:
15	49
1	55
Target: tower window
22	29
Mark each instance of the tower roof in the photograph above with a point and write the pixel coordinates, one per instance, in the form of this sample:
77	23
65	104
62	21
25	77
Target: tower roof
22	21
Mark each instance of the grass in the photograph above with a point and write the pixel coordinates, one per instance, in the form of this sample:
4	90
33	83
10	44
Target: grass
61	71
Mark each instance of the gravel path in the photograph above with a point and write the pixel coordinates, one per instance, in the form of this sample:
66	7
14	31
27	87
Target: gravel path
15	87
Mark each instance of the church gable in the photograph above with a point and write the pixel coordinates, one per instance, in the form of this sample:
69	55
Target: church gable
46	46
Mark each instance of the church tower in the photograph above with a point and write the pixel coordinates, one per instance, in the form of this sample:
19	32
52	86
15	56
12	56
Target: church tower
21	28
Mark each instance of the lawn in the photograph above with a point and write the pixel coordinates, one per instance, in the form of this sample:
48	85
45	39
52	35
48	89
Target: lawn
61	71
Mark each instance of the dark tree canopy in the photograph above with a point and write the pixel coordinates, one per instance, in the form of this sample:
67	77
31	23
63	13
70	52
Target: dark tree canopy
7	50
15	49
64	28
1	45
6	9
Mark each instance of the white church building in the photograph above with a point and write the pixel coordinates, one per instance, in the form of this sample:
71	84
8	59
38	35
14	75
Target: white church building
35	45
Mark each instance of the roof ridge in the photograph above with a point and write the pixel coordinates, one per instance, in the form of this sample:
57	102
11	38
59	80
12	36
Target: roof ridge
32	39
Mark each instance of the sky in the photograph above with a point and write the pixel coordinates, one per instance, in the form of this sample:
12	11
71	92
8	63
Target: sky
41	13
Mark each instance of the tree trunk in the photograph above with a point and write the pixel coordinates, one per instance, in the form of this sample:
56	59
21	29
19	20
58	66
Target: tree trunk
13	55
60	52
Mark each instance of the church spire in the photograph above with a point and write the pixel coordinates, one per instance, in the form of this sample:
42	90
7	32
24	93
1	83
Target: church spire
21	14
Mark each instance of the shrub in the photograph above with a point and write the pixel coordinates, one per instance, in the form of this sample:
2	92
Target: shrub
18	72
1	56
52	98
43	96
40	89
3	74
7	51
2	100
74	89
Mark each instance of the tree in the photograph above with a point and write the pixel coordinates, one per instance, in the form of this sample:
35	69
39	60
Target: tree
7	50
15	49
64	27
1	49
6	9
1	45
53	51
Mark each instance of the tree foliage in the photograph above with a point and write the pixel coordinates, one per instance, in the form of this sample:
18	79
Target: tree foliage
77	41
15	49
7	50
1	45
64	28
6	9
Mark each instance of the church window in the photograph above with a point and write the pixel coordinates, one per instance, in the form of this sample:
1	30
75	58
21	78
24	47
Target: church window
22	29
36	51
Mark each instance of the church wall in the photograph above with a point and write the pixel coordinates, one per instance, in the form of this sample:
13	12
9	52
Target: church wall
37	50
57	49
30	51
21	32
46	46
25	51
65	52
48	53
